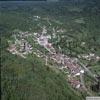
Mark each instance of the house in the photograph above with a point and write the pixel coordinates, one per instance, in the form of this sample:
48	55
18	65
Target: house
50	48
75	83
12	48
42	40
44	30
35	34
82	71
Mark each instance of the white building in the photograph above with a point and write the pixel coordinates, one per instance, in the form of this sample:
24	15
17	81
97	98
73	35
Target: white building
42	40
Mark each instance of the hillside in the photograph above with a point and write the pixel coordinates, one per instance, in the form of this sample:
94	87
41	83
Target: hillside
73	32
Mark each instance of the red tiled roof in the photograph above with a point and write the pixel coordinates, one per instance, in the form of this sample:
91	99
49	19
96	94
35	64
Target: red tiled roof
74	82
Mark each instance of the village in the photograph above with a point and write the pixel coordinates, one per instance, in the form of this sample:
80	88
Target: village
75	71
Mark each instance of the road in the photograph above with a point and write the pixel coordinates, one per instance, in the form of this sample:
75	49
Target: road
86	69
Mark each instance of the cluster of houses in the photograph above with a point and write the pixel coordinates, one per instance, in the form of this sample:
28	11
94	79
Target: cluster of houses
12	49
25	47
22	35
20	46
66	62
90	56
74	69
75	83
43	41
